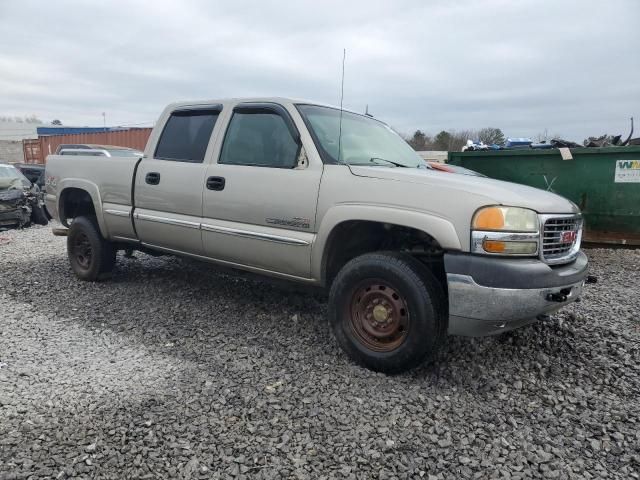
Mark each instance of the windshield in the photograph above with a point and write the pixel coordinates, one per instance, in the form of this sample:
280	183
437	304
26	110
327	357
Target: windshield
364	141
10	172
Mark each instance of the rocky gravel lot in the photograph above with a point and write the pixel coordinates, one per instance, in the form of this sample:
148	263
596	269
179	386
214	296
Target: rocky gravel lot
174	370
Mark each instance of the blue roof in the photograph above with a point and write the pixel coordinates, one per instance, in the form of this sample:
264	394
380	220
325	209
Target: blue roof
73	130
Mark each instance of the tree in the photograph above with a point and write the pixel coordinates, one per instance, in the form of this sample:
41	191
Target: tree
442	141
419	141
460	138
27	119
32	119
56	122
491	136
542	136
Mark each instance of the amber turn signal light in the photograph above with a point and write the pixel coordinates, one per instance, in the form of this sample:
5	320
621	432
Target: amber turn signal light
514	248
490	218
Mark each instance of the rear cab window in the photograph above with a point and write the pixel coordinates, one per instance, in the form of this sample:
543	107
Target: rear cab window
186	135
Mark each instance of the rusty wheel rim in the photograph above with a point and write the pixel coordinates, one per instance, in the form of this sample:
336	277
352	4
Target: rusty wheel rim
82	250
378	316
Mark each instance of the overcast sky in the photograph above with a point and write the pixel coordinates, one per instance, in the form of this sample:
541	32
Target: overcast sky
572	67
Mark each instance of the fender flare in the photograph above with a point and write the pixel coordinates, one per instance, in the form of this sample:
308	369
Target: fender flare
93	191
440	229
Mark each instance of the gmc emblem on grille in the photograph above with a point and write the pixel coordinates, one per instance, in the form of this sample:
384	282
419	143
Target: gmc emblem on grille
569	237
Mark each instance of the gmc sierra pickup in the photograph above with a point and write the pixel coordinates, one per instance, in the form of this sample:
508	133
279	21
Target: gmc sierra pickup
313	194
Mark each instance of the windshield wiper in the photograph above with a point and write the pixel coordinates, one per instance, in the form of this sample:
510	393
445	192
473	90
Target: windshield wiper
375	159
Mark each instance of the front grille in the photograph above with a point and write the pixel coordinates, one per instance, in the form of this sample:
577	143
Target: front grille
561	238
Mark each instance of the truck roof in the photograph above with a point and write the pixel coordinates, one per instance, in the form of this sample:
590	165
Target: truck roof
235	100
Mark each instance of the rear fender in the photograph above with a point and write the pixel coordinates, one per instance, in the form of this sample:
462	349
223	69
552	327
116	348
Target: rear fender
93	191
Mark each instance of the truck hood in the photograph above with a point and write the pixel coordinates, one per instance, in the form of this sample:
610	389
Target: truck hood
496	192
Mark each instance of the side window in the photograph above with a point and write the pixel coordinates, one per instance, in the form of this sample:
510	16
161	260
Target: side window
186	135
259	138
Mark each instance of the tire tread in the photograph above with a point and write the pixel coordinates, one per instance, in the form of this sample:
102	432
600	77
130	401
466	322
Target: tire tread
104	250
414	272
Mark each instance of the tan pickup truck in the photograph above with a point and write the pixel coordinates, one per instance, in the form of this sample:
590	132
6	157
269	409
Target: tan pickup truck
313	194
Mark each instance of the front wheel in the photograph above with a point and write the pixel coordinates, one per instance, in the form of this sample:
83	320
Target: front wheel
387	311
90	255
38	215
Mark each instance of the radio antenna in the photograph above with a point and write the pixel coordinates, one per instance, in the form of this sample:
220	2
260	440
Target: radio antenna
344	55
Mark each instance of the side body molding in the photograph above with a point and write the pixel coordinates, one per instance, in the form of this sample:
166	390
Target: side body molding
439	228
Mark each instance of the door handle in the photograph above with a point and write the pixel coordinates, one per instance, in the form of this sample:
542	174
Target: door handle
152	178
215	183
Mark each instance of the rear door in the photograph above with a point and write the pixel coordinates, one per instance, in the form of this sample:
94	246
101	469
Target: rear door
260	197
170	180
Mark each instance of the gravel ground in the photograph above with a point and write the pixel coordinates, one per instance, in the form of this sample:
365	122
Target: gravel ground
174	370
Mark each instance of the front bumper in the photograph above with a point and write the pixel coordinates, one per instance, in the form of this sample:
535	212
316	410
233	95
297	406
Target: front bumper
488	296
13	217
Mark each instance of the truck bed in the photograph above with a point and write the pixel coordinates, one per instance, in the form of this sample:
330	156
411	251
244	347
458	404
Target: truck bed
109	180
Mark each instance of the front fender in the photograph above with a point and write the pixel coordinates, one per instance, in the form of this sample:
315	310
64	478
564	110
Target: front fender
93	191
440	229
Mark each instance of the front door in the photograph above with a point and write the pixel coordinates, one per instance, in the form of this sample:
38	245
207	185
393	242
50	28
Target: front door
260	197
169	184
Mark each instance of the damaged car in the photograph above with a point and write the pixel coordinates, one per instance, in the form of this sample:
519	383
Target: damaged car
21	202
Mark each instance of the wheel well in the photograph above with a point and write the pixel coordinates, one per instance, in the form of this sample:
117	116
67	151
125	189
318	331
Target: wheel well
353	238
75	202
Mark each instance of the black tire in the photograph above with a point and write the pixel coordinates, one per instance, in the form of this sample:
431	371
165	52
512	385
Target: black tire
413	322
38	215
24	221
90	255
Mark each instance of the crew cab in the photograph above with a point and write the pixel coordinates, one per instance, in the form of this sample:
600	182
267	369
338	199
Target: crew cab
327	197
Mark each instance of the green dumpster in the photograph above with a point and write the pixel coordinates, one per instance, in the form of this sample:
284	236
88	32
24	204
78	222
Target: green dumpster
603	182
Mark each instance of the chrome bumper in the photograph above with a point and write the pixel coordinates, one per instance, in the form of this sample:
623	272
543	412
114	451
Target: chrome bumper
476	310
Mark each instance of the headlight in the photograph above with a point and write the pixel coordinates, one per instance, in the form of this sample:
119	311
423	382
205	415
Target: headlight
509	219
505	231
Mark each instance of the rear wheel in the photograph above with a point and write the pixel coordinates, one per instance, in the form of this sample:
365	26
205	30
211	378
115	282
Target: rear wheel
91	256
387	311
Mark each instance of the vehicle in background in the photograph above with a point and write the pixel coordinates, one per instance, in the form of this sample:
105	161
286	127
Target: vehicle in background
34	172
21	201
327	197
97	150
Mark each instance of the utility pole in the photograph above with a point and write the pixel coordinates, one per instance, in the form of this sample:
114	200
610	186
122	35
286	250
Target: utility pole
104	121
